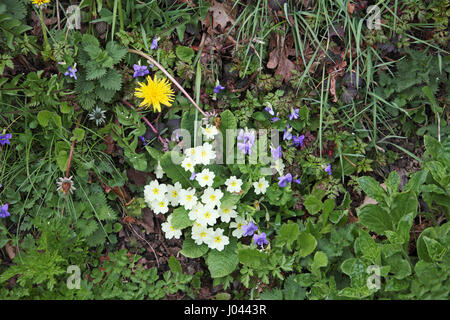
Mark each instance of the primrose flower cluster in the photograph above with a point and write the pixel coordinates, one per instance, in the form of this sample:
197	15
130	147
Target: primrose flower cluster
204	207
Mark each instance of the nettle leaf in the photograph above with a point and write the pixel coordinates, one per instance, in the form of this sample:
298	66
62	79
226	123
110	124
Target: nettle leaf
111	80
222	263
373	189
88	39
105	94
274	294
94	71
192	250
252	257
306	243
116	51
375	218
180	219
87	101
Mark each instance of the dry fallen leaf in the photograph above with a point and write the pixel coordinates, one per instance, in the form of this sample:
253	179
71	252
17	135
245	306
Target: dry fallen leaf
220	15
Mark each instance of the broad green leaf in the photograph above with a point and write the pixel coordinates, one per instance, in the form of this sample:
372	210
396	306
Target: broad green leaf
373	189
416	181
44	117
320	260
175	171
369	248
400	268
306	243
403	204
192	250
392	183
287	234
435	250
252	257
375	218
312	204
184	53
78	134
180	219
222	263
174	265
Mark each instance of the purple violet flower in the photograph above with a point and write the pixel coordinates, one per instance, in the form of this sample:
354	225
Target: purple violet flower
294	114
143	140
4	211
298	140
71	73
249	229
218	88
276	152
193	176
287	135
246	140
274	119
328	169
140	71
284	180
297	181
5	138
260	239
270	110
154	45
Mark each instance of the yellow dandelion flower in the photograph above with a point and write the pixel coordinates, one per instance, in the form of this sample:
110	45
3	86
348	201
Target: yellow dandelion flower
40	3
155	93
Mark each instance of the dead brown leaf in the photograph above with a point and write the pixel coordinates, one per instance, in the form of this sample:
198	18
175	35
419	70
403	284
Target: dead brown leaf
220	15
10	250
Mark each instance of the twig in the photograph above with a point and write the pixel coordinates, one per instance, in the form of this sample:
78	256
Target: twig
154	62
154	252
161	238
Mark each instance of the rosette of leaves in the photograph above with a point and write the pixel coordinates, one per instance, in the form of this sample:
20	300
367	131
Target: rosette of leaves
98	80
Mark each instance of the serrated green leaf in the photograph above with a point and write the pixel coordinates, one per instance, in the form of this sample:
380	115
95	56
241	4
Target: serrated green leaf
112	80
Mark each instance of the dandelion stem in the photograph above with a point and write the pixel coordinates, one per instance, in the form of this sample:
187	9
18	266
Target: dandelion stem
44	30
154	62
72	147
